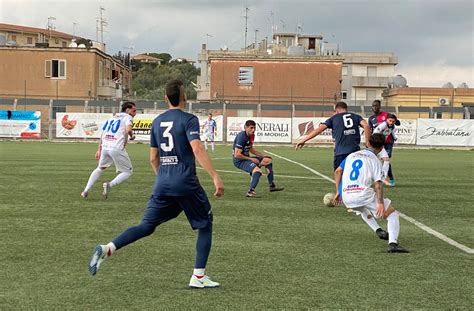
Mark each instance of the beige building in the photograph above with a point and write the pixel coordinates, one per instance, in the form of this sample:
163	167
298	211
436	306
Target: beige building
61	73
148	59
427	102
15	35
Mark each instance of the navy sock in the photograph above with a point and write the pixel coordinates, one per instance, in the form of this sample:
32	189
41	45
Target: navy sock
203	247
132	234
270	174
254	181
390	174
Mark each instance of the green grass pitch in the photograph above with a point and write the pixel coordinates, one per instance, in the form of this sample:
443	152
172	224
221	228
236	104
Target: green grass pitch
284	250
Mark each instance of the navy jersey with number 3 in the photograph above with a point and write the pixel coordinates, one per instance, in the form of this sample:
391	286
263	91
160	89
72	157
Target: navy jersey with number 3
345	131
172	132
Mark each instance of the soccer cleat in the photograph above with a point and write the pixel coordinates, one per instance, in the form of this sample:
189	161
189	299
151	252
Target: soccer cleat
391	182
274	188
251	194
84	194
204	282
99	255
382	234
105	192
395	248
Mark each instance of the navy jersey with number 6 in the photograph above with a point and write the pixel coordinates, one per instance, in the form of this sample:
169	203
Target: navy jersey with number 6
243	142
345	131
172	132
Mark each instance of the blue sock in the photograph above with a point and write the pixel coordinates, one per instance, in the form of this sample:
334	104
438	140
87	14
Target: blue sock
270	174
203	247
132	234
254	181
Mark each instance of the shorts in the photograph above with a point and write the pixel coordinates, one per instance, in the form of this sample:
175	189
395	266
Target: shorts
196	206
247	165
209	137
338	160
372	206
389	148
119	157
383	154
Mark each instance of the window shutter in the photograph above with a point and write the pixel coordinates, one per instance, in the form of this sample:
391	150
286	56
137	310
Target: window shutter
47	69
62	69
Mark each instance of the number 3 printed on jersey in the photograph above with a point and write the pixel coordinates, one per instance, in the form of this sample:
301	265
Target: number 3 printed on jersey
166	134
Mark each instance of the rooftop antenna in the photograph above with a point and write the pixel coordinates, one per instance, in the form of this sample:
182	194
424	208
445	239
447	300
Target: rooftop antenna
130	48
256	31
101	23
246	29
50	25
207	40
299	27
74	24
283	25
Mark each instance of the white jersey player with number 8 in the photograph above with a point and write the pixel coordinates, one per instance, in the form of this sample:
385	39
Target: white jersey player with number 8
116	132
354	179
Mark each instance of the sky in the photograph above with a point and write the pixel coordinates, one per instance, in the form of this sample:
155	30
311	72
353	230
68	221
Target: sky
433	39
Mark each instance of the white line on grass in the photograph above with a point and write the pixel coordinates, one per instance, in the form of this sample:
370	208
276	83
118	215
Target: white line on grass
407	218
285	176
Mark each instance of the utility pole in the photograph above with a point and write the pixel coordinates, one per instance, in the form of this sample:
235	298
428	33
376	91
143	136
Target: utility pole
74	29
256	31
207	40
246	29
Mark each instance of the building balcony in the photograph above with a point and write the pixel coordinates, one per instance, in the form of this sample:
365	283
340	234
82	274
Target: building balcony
370	82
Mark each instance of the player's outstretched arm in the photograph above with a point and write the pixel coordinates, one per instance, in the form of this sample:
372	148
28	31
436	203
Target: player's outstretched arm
300	144
155	159
203	159
367	131
378	186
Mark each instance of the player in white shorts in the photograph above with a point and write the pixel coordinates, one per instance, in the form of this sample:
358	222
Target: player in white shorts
115	135
354	179
210	130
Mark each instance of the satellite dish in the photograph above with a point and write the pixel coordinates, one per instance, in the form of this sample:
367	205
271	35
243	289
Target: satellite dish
397	81
73	45
82	46
448	85
463	86
224	48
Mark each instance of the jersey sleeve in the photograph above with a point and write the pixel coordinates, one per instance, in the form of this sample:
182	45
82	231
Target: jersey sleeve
153	138
240	141
380	128
329	122
378	172
372	121
343	163
129	120
192	129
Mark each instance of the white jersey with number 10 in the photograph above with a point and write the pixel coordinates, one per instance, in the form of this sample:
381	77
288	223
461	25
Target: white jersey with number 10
361	170
114	134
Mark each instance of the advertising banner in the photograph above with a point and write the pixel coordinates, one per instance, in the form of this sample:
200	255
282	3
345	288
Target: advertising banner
142	126
268	130
406	132
303	126
220	127
435	132
80	125
22	124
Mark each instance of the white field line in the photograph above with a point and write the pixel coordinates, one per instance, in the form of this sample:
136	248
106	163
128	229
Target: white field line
283	176
407	218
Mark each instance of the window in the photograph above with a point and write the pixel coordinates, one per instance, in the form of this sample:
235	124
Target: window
55	69
57	109
244	113
344	70
343	94
370	95
371	71
246	75
29	40
14	38
438	115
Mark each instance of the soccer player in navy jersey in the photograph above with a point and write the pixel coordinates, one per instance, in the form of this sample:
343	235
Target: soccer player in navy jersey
243	146
174	145
345	132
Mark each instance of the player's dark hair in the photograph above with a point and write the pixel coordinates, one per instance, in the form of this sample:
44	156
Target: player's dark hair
250	123
391	116
377	140
173	92
378	102
127	105
341	105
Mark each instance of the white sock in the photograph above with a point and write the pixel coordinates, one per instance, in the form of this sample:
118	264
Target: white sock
368	218
205	145
120	178
212	146
111	248
393	227
199	272
93	178
385	167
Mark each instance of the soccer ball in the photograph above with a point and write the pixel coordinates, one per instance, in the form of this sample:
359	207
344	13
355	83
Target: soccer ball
329	199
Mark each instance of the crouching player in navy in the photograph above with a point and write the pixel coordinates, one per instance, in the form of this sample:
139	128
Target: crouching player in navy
354	179
243	146
174	145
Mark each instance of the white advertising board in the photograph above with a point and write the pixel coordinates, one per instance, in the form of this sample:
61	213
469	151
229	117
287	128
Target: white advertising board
22	124
80	125
434	132
268	130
